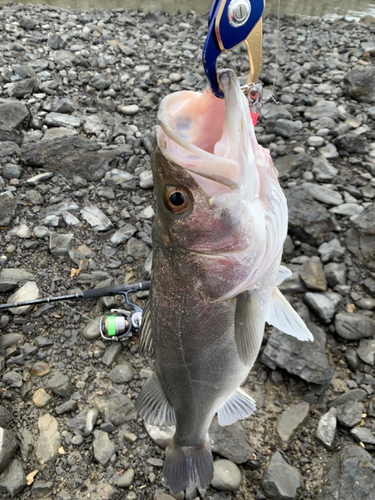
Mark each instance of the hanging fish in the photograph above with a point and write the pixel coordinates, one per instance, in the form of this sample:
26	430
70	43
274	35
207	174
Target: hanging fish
218	237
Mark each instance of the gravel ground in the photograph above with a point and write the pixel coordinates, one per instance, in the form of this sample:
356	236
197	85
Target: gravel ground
79	92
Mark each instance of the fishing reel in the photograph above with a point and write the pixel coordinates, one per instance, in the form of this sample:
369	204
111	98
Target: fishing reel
120	324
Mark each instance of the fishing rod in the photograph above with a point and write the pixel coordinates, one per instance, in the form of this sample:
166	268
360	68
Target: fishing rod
117	328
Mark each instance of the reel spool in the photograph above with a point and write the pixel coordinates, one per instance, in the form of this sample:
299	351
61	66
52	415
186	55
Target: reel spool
116	327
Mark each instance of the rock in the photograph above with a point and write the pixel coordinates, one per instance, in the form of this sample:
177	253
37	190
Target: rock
49	440
8	206
348	209
350	414
123	234
354	395
62	119
116	408
12	379
12	114
331	250
351	472
227	476
335	274
361	240
27	443
116	177
60	244
146	180
13	479
126	479
11	171
29	291
5	417
66	407
289	163
96	218
22	88
40	489
137	249
9	339
8	447
323	171
309	221
54	133
290	420
324	194
73	155
324	305
325	432
111	353
132	109
354	326
230	441
308	360
280	481
364	436
360	84
366	351
103	447
100	81
91	418
61	385
63	57
312	275
161	436
41	398
121	374
92	329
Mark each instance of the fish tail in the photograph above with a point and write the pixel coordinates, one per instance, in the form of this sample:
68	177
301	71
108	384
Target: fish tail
186	466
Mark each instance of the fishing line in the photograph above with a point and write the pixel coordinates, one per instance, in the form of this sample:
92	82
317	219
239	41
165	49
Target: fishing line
277	49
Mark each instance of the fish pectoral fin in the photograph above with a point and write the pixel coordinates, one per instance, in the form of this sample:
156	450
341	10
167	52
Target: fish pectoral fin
186	466
283	274
239	406
152	404
282	315
146	344
248	326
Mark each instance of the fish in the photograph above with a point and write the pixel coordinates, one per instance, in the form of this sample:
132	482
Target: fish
218	233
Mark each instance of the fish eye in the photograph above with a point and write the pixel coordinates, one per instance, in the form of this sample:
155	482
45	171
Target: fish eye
254	94
177	200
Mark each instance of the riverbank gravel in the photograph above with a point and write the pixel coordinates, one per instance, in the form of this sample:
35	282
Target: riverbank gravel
79	92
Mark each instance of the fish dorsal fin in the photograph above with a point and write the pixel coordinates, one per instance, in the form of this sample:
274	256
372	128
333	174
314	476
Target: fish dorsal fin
146	345
249	326
152	404
237	407
282	315
283	274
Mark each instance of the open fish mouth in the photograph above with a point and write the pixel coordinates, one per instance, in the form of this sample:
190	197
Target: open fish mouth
212	138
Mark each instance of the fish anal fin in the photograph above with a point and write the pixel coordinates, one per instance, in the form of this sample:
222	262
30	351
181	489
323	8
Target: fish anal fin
282	315
186	466
146	345
152	404
237	407
249	326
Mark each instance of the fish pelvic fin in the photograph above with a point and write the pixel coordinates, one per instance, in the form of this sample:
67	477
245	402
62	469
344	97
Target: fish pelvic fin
238	406
249	326
152	404
146	341
186	466
282	315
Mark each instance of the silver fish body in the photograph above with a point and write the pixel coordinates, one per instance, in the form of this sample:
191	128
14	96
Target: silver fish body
218	235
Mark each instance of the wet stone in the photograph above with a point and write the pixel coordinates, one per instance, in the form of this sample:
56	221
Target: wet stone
350	414
41	489
13	479
121	374
8	446
231	441
354	326
61	385
92	329
325	432
366	351
111	353
280	480
103	447
351	471
364	436
39	369
227	476
291	419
